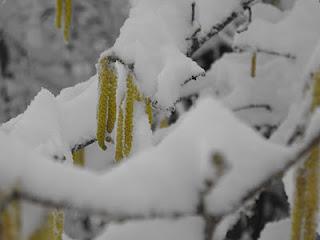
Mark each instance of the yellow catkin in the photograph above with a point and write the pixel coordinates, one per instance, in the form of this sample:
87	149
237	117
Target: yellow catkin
305	211
129	110
104	75
312	170
67	19
148	110
52	229
253	65
138	96
119	137
79	157
311	208
164	123
58	19
10	222
112	102
316	91
298	209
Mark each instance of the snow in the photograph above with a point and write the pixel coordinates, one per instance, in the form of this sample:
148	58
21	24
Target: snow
158	56
139	180
230	81
61	121
142	134
296	34
277	230
167	24
266	12
186	228
167	172
214	12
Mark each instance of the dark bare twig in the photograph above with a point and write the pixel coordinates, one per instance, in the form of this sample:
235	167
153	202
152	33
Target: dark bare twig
254	106
265	51
193	12
83	145
219	27
298	133
89	142
193	78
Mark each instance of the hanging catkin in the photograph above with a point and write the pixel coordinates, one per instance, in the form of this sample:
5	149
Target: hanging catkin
10	222
112	103
119	137
299	204
253	65
164	123
52	229
304	214
312	171
148	110
107	90
58	19
79	157
67	19
311	195
128	121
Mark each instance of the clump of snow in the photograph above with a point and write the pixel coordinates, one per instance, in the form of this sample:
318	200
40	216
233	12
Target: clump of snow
142	134
296	34
277	230
214	12
272	90
266	12
236	183
132	188
186	228
154	39
173	75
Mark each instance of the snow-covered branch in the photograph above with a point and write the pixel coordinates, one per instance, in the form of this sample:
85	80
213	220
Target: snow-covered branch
198	42
128	191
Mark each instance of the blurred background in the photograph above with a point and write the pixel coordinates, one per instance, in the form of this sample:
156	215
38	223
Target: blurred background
34	55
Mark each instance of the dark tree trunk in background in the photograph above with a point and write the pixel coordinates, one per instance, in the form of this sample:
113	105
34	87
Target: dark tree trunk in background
4	57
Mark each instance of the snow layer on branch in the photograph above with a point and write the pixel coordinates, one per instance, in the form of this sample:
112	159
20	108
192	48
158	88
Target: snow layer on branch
54	125
296	34
166	179
154	39
78	115
186	228
264	99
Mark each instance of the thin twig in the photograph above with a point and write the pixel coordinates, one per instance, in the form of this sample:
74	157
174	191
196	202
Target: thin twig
193	12
219	27
267	107
265	51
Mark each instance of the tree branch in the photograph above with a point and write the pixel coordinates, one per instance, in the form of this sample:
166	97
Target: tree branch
299	155
210	219
196	45
265	51
254	106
